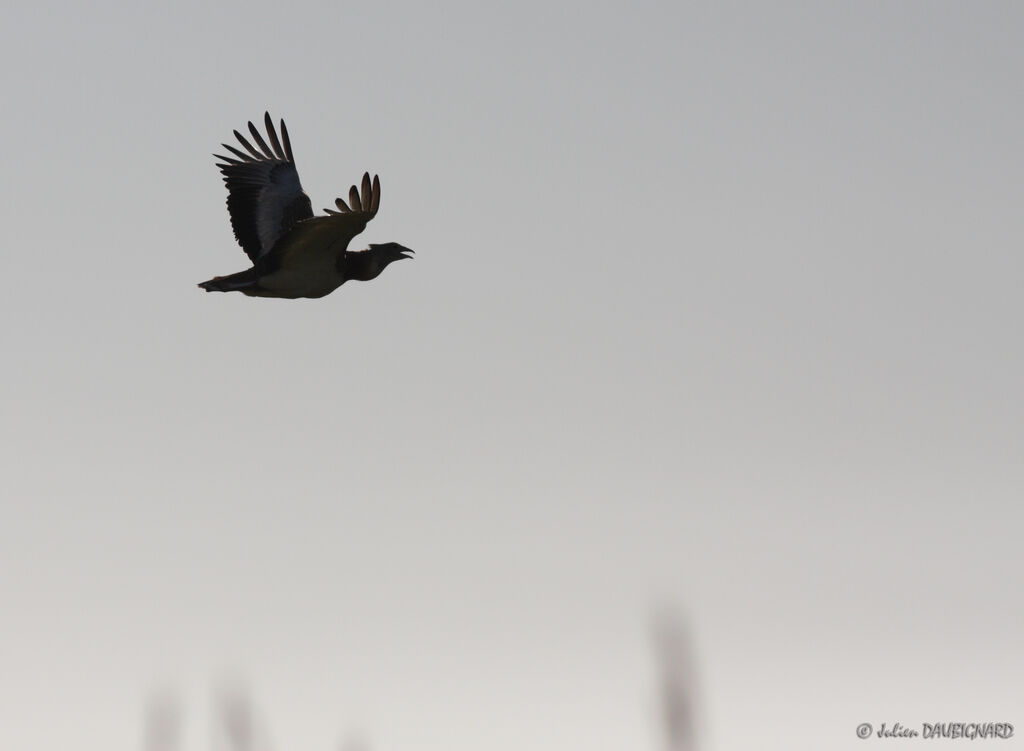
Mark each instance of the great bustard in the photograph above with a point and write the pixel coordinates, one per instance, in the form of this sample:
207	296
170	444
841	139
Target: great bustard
294	254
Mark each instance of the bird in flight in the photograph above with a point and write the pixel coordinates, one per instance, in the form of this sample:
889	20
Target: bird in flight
293	253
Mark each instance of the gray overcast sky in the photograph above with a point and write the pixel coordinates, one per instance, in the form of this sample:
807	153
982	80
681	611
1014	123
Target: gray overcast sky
713	304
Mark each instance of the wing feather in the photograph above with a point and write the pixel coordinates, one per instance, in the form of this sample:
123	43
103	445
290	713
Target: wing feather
375	198
260	142
366	201
248	146
287	144
272	134
244	157
366	191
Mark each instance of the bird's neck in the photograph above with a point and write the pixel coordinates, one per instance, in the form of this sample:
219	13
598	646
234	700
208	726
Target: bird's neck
360	266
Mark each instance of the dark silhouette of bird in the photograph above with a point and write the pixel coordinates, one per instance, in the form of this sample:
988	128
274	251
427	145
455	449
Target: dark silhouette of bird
293	253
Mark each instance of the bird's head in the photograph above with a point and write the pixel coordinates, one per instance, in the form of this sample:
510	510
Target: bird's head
388	252
368	264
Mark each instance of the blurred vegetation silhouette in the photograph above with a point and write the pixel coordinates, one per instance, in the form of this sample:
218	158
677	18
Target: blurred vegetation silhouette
237	726
677	682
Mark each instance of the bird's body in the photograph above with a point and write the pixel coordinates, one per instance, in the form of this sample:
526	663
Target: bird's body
294	253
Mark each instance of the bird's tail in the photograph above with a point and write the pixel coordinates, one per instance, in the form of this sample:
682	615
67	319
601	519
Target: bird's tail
240	282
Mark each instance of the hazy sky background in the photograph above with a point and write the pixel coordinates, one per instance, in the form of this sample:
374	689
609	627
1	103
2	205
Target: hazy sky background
716	305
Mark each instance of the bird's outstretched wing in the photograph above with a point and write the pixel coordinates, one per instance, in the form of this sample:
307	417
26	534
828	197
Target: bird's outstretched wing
265	197
331	233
